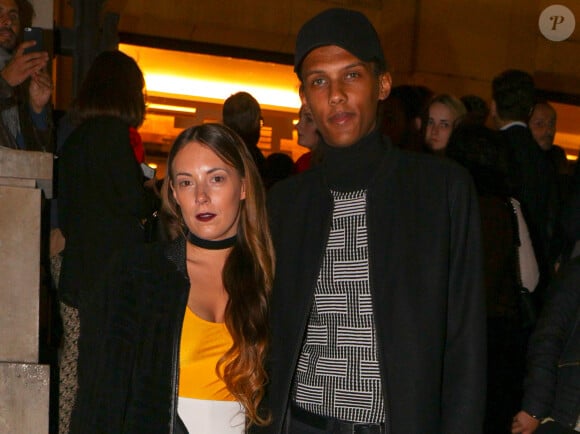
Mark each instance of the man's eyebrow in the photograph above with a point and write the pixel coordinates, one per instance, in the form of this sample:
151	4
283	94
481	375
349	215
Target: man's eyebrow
9	9
322	71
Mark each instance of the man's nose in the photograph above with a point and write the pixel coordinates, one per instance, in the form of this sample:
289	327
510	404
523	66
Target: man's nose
336	95
6	20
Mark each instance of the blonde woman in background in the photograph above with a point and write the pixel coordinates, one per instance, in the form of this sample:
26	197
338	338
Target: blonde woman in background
444	113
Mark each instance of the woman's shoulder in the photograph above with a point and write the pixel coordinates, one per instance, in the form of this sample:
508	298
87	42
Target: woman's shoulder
104	121
99	123
94	129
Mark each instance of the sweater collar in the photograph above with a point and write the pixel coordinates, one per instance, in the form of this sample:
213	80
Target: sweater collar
352	168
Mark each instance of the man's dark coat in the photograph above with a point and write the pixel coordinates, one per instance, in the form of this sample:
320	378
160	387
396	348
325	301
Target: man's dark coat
426	281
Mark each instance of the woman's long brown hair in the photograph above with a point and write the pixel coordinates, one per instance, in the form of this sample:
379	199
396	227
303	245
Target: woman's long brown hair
248	272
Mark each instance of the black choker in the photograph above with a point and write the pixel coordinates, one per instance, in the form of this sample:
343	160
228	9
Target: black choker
211	245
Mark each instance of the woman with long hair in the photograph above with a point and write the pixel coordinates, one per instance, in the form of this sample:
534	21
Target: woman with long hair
185	335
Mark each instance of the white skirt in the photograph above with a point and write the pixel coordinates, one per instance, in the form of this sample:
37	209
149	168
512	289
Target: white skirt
202	416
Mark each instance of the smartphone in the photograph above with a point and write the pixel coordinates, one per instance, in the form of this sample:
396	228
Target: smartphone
33	34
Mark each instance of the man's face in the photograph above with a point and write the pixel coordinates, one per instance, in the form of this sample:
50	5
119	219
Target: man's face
342	93
543	125
9	24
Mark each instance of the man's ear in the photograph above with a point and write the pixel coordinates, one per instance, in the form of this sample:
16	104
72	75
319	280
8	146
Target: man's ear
385	84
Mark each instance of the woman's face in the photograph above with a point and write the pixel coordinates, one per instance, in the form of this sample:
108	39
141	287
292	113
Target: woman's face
439	126
307	135
209	192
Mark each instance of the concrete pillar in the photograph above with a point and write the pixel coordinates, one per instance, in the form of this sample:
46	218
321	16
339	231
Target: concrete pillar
24	397
24	384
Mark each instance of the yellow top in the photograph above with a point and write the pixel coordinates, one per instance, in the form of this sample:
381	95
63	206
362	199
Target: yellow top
203	343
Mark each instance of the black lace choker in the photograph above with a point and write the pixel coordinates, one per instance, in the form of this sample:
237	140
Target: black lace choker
211	245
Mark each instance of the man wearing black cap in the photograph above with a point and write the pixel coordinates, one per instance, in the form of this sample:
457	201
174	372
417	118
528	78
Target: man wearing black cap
377	310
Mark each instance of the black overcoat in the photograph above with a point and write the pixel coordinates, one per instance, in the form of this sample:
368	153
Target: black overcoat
426	281
101	202
129	347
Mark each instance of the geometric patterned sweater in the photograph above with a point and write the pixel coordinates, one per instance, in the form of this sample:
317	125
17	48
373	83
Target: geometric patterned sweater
338	369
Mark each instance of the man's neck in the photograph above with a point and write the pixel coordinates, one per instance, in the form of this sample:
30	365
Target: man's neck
352	168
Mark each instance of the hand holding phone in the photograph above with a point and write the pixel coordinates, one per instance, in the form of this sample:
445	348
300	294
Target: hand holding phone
22	66
33	34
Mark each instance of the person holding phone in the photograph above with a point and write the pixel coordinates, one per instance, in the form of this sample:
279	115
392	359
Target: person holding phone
25	86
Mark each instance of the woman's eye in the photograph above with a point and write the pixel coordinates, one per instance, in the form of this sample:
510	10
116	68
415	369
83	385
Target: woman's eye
218	179
184	183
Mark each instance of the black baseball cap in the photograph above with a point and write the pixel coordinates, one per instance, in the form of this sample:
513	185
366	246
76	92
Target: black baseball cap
345	28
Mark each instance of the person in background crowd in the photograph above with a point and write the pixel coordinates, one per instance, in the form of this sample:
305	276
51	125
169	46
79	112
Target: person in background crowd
309	138
279	166
444	113
542	125
184	333
25	86
568	224
551	403
477	109
509	266
102	202
378	309
400	115
242	113
531	174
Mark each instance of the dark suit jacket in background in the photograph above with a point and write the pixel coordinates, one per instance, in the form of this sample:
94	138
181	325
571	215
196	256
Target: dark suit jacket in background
533	179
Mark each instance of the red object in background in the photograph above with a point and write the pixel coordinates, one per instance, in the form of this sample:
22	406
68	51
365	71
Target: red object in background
303	163
137	145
